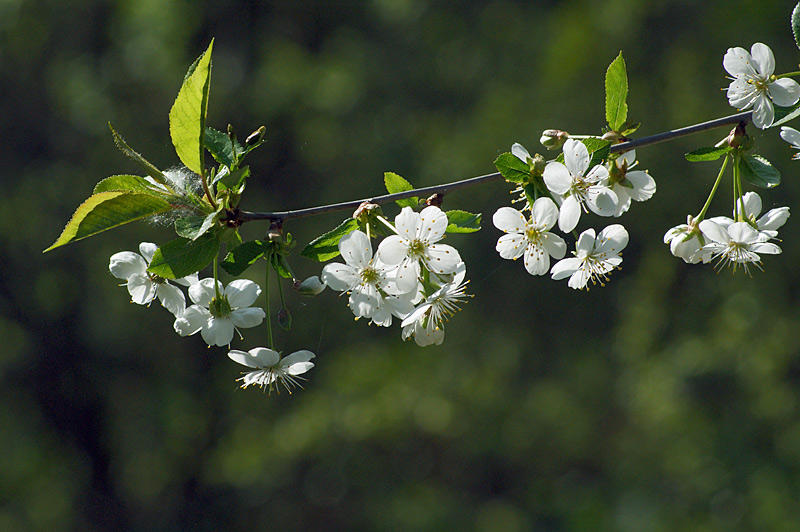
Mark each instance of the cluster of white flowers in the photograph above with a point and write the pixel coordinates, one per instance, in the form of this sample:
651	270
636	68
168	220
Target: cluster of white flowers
573	188
216	314
412	276
736	241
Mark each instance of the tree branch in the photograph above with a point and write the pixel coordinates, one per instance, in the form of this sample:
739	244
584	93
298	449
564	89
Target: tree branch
282	216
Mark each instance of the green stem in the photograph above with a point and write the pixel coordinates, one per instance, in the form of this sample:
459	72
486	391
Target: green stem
204	180
738	199
713	190
280	291
266	308
794	74
216	277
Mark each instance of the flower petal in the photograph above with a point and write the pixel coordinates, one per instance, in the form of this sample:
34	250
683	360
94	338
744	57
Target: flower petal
192	320
126	263
218	332
247	317
340	276
511	246
569	214
265	357
141	289
242	293
509	219
172	298
576	157
356	249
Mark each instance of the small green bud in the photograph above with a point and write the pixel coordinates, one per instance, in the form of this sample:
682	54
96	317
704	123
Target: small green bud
553	139
285	319
538	164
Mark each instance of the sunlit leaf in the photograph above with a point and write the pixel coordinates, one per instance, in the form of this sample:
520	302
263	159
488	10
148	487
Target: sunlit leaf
182	256
326	247
616	94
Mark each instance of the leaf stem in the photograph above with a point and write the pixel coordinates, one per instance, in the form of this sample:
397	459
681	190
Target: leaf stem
266	308
702	214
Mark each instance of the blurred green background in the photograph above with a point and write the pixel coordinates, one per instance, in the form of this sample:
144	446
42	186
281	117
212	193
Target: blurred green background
668	400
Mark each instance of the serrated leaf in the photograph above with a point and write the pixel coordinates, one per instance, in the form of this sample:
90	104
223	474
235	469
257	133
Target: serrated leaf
708	153
785	114
326	247
235	180
149	168
242	257
629	129
192	227
187	118
181	257
280	265
512	168
759	171
395	184
107	210
599	150
796	24
463	222
222	148
125	183
616	93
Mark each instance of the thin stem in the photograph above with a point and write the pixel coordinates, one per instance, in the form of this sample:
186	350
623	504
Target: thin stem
266	308
216	277
713	190
282	216
789	75
205	187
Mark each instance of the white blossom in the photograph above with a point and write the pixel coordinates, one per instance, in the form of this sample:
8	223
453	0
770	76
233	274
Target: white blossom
686	240
792	136
415	245
271	368
531	238
594	257
217	318
737	245
576	189
755	86
627	184
144	286
426	322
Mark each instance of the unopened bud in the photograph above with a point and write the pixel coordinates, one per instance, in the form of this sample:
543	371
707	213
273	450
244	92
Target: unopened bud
275	233
539	163
231	132
285	319
365	209
311	287
553	139
738	137
256	136
435	200
612	136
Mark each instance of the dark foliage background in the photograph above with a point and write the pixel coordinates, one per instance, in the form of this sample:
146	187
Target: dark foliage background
667	400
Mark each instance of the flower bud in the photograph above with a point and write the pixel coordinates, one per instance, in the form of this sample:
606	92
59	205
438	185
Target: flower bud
553	139
365	209
256	136
539	162
311	286
285	319
738	138
435	200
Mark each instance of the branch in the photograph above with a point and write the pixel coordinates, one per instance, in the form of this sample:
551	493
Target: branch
282	216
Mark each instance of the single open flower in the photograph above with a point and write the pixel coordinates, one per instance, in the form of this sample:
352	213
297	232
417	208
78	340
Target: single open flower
217	318
594	257
755	86
736	245
271	368
530	238
426	322
143	286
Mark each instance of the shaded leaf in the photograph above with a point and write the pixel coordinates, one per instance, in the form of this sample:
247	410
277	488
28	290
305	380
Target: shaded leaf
395	184
759	171
107	210
181	257
242	257
785	114
796	24
192	227
151	170
709	153
222	148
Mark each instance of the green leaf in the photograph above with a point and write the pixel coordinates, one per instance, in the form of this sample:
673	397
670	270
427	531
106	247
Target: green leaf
785	114
181	257
796	24
187	118
192	227
326	247
463	222
759	171
280	265
629	129
242	257
599	150
395	184
107	210
222	148
126	183
235	180
512	168
151	170
709	153
616	93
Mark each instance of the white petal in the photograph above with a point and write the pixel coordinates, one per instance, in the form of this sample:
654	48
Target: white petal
202	292
442	258
433	223
172	298
511	246
265	357
537	261
564	268
602	200
715	232
544	214
218	331
737	62
520	153
743	233
340	276
554	245
244	358
242	293
763	112
244	318
557	178
298	362
644	186
392	249
147	249
784	92
763	60
766	247
773	219
509	220
126	263
141	289
364	301
612	239
192	320
741	93
752	205
406	223
569	214
791	135
356	249
576	157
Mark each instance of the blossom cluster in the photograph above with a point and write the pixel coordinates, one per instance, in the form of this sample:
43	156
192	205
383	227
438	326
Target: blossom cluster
412	276
217	312
572	188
